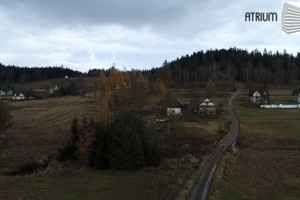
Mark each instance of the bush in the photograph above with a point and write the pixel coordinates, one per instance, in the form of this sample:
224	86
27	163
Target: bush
5	123
28	168
23	169
68	152
123	144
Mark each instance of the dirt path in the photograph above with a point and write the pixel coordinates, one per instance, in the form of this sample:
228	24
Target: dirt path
201	187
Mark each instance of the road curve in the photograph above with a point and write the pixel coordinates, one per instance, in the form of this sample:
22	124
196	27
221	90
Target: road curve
204	181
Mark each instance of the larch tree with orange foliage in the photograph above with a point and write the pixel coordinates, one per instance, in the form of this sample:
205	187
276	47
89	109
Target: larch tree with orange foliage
113	81
102	98
141	92
210	88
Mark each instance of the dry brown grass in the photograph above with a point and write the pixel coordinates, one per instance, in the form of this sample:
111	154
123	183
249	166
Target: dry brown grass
45	124
266	164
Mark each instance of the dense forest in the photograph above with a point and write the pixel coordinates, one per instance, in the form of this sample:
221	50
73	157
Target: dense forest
14	74
256	67
238	64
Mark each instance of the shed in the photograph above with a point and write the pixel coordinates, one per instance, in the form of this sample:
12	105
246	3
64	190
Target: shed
175	107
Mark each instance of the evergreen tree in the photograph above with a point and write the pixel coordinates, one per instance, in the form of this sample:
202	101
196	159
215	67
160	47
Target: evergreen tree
5	123
69	151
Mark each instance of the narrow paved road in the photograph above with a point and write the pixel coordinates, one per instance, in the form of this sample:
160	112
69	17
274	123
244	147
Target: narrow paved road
201	187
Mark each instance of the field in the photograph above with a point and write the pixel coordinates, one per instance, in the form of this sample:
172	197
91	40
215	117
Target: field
266	162
42	126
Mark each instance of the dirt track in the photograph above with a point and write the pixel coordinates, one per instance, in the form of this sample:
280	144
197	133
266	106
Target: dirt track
201	188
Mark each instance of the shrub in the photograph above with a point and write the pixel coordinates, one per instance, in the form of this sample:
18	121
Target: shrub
28	168
68	152
23	169
123	144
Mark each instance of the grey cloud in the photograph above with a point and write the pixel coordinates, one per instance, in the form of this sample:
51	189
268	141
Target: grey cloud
94	12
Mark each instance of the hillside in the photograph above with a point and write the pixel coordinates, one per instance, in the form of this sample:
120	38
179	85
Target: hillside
241	65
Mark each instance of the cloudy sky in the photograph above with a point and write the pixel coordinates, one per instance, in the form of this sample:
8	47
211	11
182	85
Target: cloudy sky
84	34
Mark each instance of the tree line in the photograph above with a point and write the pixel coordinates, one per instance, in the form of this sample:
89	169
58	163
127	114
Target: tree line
238	64
14	74
255	67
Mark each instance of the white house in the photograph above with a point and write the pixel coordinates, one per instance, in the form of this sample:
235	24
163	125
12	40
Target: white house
175	107
259	95
296	94
18	97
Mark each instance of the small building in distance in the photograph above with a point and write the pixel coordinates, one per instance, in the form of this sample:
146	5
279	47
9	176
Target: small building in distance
6	92
207	107
259	95
147	108
18	97
296	95
175	107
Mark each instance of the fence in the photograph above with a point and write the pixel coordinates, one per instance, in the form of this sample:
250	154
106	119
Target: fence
281	106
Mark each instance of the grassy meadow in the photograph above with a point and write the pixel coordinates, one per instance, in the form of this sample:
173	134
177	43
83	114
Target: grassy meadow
44	127
266	162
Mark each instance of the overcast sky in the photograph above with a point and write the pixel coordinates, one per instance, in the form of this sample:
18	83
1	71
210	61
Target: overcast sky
139	34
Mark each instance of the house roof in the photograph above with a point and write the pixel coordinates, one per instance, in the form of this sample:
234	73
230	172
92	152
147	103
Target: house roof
7	89
176	103
296	92
207	103
261	91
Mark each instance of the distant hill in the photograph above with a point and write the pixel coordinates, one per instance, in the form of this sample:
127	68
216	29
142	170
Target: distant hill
218	65
241	65
14	74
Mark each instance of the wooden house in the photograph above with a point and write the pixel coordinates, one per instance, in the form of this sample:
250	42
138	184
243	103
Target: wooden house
175	107
207	107
296	95
259	95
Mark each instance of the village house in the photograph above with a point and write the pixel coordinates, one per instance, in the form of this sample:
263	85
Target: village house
18	97
175	107
207	107
259	95
6	92
296	95
46	88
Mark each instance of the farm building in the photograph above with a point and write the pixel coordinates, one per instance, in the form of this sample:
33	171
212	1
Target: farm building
259	95
147	108
18	97
207	107
296	95
45	88
175	107
6	92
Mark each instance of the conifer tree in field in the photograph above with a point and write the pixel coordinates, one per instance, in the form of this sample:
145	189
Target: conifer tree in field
114	86
210	88
127	79
122	80
69	151
113	78
5	123
102	97
123	94
86	138
141	92
162	90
